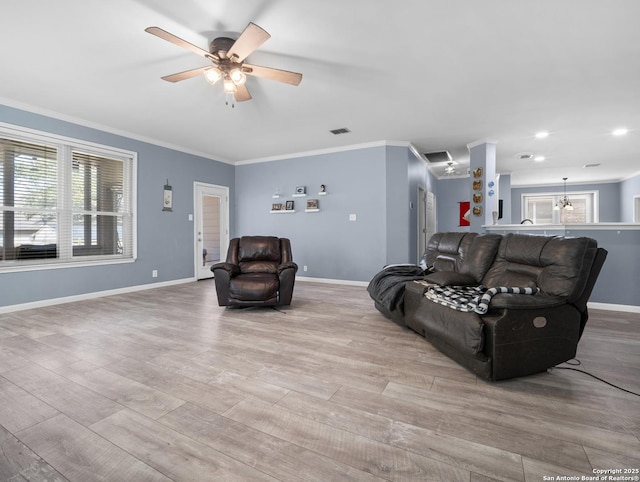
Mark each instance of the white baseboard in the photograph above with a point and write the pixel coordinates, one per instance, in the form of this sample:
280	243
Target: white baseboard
332	281
613	307
89	296
132	289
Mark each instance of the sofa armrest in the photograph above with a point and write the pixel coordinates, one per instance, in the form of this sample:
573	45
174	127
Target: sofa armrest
287	265
232	269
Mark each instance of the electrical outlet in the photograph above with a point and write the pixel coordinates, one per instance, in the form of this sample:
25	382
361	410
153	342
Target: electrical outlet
154	273
304	268
352	217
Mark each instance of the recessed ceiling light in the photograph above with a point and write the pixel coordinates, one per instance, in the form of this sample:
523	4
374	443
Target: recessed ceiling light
539	158
620	131
542	135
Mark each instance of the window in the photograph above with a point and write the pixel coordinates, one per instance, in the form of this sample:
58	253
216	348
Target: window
542	209
63	201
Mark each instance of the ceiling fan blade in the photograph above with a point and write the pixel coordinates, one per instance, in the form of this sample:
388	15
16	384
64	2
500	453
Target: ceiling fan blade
169	37
250	39
242	93
187	74
286	76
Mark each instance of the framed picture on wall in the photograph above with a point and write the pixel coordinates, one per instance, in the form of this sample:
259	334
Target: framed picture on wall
289	205
301	190
276	207
464	215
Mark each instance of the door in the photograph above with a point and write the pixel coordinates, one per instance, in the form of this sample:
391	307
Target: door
426	219
211	227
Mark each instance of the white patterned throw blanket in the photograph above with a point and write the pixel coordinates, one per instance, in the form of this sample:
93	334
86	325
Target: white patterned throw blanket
471	298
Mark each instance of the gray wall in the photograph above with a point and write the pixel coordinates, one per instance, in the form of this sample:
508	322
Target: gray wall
628	189
326	242
378	184
450	193
165	239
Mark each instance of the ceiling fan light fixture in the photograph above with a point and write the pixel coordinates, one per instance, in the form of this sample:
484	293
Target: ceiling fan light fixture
238	76
213	75
229	86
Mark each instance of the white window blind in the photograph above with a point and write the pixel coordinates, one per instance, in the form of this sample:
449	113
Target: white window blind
64	202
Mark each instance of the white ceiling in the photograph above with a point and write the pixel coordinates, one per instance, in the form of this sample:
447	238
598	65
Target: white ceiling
437	73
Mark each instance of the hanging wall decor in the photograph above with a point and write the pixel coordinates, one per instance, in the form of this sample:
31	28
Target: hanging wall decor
168	197
464	213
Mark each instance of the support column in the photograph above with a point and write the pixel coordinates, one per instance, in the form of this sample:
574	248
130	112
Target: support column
483	185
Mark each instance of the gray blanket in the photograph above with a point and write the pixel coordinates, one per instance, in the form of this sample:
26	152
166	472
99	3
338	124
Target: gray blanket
387	286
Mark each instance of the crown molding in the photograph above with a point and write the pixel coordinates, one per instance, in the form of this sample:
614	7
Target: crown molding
111	130
330	150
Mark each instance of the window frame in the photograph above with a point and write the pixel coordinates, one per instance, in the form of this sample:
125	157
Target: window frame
65	147
595	207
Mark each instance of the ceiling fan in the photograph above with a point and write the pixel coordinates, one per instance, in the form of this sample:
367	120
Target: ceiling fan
227	56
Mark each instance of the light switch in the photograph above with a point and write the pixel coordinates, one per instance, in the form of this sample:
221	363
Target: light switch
190	217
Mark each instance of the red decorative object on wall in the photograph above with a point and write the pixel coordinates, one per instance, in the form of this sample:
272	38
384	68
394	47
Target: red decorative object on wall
465	213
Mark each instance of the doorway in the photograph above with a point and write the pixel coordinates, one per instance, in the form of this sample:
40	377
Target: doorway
211	227
426	219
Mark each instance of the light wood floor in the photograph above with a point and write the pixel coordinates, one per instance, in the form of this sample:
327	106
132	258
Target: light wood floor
165	385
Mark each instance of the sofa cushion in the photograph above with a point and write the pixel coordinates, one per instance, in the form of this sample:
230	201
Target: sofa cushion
254	287
480	256
259	248
558	266
446	251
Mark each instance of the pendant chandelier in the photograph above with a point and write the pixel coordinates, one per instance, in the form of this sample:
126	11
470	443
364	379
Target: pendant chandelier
564	203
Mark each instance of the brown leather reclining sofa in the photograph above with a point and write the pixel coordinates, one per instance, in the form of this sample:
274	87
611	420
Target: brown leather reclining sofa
520	334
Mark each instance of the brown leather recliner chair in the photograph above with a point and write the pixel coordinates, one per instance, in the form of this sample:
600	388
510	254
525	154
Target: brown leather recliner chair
259	271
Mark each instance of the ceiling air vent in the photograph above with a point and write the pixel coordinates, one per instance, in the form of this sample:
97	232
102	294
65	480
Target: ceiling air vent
525	155
439	156
586	166
342	130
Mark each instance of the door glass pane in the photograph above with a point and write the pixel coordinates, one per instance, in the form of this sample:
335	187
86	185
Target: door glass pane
210	230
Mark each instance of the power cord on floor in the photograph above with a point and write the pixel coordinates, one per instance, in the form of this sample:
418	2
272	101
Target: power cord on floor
576	362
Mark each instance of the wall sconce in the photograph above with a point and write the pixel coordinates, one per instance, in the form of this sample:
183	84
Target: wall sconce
168	198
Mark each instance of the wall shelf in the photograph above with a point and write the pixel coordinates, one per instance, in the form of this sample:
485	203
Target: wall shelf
283	211
312	210
298	195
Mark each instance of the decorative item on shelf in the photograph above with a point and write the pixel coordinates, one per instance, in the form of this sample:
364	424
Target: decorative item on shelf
276	194
491	184
276	207
323	190
168	197
289	206
312	206
491	192
494	215
564	203
301	191
477	173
